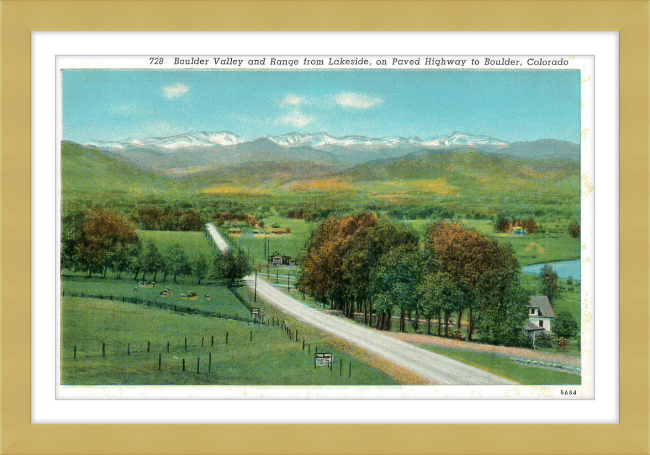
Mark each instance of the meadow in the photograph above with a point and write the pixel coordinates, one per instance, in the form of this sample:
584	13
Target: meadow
128	330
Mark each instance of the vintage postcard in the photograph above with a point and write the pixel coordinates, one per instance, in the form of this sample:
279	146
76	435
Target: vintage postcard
325	227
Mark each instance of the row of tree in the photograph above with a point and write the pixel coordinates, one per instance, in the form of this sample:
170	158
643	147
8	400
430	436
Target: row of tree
363	264
96	241
156	219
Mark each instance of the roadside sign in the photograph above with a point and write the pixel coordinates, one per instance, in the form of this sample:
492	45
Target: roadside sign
255	312
323	359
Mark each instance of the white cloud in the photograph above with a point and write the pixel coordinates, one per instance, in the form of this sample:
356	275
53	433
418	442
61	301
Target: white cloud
297	118
293	100
175	90
357	100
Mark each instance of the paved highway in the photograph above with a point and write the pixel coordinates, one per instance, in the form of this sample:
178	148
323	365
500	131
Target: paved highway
434	367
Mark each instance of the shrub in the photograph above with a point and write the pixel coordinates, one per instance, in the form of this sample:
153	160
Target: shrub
574	230
565	326
545	341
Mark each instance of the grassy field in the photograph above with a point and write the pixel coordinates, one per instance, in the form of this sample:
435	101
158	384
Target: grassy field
194	243
221	299
508	368
269	359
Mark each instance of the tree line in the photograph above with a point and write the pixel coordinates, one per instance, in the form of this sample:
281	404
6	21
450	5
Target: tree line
380	267
95	241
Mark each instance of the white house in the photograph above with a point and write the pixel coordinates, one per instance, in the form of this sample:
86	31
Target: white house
540	313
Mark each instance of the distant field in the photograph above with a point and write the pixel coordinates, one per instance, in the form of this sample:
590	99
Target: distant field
270	359
508	368
292	245
194	243
537	248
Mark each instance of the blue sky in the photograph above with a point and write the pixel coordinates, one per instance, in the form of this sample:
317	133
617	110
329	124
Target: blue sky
508	105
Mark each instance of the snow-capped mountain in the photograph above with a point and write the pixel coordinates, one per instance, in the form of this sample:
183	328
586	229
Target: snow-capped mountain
323	139
316	140
180	141
460	139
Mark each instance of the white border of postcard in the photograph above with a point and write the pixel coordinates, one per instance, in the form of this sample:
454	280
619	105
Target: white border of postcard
599	367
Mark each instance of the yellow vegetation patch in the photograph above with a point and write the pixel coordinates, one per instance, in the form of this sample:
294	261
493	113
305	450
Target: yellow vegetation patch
536	246
227	190
331	184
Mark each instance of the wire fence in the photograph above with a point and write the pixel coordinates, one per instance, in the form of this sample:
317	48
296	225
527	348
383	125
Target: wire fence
171	307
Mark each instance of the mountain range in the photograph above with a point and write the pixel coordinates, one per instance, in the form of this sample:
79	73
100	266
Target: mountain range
314	154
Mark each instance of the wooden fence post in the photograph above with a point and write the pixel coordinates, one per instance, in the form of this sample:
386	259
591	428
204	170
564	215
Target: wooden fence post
340	367
103	349
350	374
159	361
226	337
198	362
296	334
148	346
183	364
75	353
128	349
251	336
202	341
212	341
168	347
186	343
303	344
209	361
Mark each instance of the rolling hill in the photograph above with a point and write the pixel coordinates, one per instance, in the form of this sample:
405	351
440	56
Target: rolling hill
86	171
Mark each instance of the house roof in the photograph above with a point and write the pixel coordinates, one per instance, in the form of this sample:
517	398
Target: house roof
530	327
544	305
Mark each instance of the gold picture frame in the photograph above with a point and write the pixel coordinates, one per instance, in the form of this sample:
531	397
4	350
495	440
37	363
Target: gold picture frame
18	18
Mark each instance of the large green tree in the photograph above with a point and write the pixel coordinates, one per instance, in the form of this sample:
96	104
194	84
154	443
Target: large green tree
176	261
72	218
235	266
481	270
501	321
550	285
439	296
396	278
151	261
